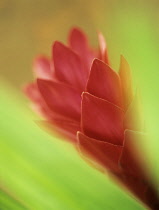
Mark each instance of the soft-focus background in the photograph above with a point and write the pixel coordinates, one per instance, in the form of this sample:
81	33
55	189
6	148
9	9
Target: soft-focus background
37	171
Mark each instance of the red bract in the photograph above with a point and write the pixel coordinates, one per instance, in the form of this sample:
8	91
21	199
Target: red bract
77	92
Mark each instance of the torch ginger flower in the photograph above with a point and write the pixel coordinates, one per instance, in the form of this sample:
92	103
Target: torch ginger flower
84	99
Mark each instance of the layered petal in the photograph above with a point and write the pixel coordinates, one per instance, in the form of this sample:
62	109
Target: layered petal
104	83
68	66
32	91
66	128
102	119
103	55
79	43
103	153
42	68
61	98
38	104
126	81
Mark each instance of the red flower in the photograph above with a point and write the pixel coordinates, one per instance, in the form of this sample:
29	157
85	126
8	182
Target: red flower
106	118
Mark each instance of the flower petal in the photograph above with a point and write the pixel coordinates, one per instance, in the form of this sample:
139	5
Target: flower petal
133	119
32	92
65	128
103	55
68	66
42	68
103	153
104	83
126	80
60	98
79	43
38	105
101	119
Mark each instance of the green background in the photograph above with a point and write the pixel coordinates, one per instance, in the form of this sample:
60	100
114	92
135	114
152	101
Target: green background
38	171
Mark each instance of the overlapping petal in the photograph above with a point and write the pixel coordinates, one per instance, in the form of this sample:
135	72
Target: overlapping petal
38	104
103	54
104	83
105	154
61	98
102	119
79	43
68	66
42	68
66	128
